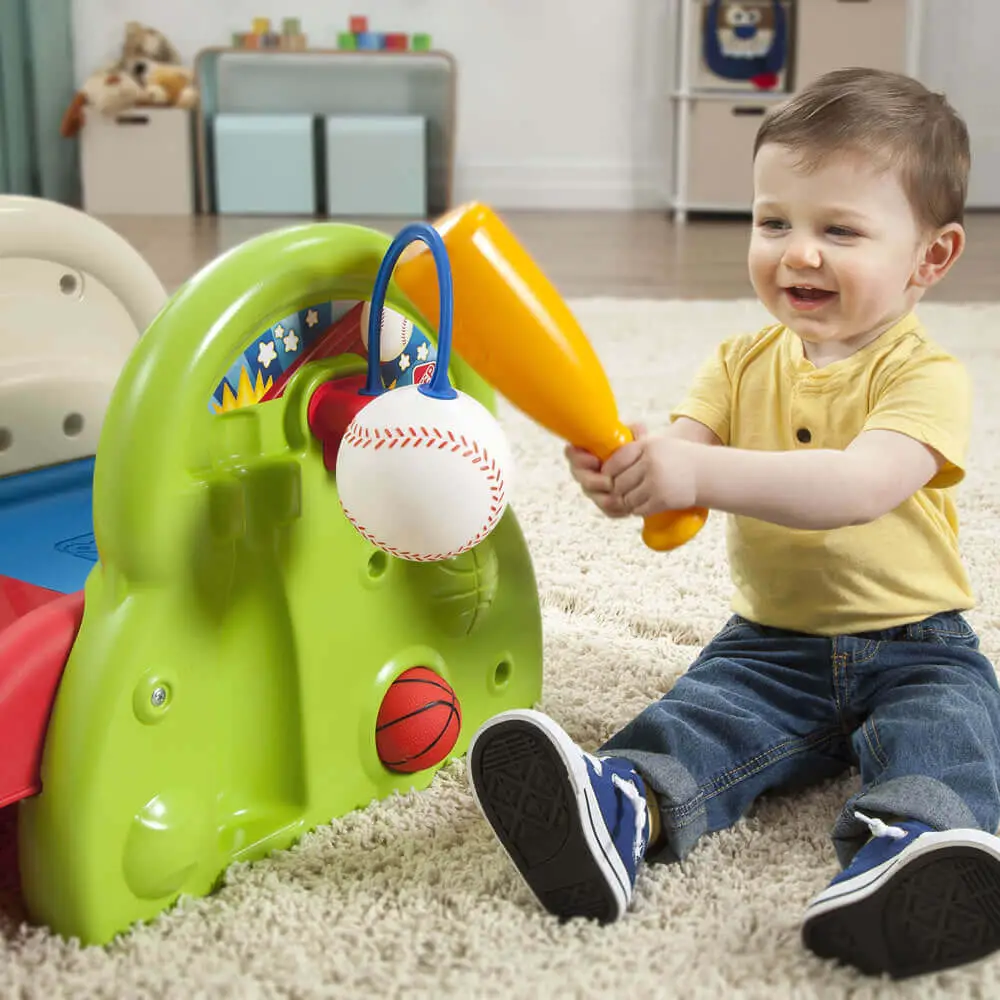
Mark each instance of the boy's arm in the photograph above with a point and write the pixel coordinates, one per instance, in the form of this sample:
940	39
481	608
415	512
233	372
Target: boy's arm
816	490
686	429
914	436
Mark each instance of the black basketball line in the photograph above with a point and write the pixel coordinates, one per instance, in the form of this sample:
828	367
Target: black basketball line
417	711
432	681
453	711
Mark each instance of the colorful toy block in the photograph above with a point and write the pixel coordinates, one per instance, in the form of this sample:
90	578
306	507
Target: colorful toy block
261	25
346	40
369	40
421	43
397	41
291	26
358	24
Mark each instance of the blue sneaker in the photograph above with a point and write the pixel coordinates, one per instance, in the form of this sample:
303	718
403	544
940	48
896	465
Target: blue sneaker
575	825
912	901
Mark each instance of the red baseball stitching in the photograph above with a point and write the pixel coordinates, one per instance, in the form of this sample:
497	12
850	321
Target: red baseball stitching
422	437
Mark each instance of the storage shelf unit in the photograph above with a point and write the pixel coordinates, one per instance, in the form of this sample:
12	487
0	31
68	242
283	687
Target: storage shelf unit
715	124
325	82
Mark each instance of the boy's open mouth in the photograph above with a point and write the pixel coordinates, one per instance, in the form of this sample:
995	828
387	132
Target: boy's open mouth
805	296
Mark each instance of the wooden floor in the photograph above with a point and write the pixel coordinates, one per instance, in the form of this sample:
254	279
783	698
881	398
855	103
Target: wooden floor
617	254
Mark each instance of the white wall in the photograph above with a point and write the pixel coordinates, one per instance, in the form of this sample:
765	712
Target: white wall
959	57
562	103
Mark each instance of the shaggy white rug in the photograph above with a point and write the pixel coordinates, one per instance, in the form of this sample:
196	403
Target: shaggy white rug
412	897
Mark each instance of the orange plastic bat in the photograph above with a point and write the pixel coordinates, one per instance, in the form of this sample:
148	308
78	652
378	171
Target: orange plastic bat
514	329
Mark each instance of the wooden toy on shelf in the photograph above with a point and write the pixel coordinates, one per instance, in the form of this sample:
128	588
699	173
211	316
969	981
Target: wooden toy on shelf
360	36
263	36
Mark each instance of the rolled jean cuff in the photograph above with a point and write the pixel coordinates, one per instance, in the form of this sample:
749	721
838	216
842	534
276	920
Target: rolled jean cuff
683	819
915	797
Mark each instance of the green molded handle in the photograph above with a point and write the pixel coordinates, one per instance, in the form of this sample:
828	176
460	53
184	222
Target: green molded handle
158	414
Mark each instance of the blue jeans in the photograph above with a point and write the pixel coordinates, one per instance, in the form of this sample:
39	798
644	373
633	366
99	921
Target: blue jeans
915	708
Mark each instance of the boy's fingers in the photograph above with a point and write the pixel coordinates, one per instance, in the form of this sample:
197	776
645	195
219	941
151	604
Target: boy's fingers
580	458
592	482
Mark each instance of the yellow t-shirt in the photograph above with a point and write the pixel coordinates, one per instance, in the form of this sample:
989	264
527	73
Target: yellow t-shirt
761	392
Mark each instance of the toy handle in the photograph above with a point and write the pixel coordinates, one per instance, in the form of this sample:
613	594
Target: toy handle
439	387
670	529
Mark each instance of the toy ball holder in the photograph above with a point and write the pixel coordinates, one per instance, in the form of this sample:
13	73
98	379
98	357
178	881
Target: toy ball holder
422	470
238	635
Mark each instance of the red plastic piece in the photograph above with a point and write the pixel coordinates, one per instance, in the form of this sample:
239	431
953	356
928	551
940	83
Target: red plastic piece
18	599
33	655
397	41
358	23
331	408
10	880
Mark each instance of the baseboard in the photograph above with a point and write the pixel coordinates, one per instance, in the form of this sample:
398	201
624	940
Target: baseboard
563	185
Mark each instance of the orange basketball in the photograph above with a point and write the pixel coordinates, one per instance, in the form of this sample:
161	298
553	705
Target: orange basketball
418	721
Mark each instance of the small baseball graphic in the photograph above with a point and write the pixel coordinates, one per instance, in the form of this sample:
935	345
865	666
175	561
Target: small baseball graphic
422	478
396	332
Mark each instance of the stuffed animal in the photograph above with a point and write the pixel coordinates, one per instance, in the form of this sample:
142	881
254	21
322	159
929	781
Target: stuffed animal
144	42
163	85
109	92
148	74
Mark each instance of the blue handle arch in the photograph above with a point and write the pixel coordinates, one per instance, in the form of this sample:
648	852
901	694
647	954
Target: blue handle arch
439	386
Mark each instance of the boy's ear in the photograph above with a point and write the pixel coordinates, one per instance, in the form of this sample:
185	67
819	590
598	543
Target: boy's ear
939	255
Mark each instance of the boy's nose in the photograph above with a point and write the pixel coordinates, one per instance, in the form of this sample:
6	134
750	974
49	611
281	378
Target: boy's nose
802	253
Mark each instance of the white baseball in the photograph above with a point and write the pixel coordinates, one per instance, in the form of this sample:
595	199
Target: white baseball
396	331
423	479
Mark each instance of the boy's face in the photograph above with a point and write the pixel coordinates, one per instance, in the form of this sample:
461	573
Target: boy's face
835	250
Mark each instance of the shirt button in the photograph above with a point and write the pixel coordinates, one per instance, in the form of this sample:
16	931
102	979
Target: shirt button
804	435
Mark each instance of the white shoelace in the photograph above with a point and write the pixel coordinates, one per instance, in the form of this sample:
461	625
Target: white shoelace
639	805
880	829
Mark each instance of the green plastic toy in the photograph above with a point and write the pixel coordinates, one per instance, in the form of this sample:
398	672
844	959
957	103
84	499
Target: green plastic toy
238	634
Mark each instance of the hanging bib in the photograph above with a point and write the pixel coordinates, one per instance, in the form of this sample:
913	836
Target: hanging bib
746	40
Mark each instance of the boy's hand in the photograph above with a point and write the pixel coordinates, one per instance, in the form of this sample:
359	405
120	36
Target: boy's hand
652	474
596	483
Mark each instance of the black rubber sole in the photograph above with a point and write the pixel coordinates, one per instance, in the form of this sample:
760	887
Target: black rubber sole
941	910
527	795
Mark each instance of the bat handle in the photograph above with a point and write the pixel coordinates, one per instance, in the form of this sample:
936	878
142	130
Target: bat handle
670	529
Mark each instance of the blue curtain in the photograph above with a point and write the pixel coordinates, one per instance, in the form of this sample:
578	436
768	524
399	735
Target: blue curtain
36	86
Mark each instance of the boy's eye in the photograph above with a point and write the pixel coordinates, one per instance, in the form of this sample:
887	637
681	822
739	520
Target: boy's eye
841	231
773	224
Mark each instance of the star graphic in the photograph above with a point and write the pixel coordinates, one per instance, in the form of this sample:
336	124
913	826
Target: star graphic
422	352
279	331
404	362
266	354
291	342
312	317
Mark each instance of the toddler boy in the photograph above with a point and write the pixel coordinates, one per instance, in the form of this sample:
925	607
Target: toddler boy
832	440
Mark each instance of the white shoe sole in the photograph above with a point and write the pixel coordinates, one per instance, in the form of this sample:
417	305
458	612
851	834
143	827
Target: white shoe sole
935	905
532	785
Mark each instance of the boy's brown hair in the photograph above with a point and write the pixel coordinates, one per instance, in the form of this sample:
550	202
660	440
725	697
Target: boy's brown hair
890	117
